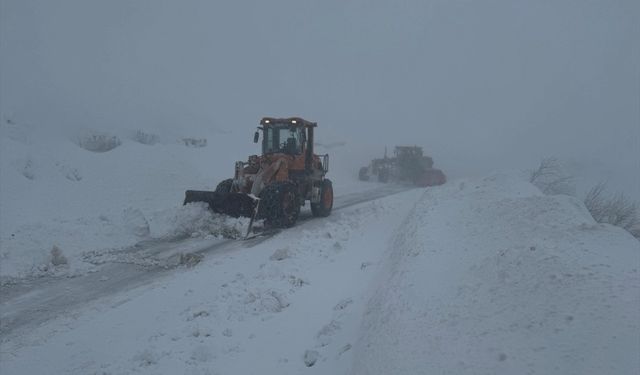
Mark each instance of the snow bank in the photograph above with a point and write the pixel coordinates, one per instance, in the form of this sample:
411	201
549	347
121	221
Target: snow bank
491	277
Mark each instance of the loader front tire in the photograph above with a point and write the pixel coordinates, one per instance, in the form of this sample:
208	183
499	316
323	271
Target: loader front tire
280	204
323	208
225	186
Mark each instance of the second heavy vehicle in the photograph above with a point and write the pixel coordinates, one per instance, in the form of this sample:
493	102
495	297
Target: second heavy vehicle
408	164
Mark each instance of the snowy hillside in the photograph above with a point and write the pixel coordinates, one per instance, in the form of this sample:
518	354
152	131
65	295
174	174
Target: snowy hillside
476	276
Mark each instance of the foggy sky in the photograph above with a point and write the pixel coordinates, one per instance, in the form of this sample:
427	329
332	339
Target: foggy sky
482	85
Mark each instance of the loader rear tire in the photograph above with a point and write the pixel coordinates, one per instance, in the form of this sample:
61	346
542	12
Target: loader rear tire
225	186
280	204
323	208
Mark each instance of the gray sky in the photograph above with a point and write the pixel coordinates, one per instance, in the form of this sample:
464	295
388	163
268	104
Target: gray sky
482	85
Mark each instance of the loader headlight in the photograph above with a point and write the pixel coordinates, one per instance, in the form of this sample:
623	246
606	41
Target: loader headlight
294	121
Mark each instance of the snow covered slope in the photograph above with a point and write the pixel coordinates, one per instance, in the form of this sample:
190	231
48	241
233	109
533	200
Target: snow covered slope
491	277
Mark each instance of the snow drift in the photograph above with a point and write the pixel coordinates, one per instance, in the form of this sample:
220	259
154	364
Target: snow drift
492	277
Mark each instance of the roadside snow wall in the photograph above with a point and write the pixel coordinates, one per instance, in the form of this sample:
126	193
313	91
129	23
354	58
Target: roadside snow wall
492	277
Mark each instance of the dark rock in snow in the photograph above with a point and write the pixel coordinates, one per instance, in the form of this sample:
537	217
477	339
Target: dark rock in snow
310	357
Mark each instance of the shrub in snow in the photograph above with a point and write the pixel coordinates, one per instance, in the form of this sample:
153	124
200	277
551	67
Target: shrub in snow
28	170
310	357
616	210
297	281
199	314
344	349
145	138
57	258
551	178
343	304
71	174
195	142
98	142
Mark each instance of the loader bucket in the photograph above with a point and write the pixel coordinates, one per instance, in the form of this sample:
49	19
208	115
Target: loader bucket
232	204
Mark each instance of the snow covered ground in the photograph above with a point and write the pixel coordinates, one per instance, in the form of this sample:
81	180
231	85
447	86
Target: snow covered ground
477	276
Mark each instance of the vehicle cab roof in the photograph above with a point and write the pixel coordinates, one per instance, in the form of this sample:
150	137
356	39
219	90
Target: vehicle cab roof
290	121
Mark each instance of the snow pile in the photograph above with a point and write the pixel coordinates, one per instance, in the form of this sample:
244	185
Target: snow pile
492	277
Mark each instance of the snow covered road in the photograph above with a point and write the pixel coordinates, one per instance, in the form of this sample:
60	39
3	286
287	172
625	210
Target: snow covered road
33	301
284	306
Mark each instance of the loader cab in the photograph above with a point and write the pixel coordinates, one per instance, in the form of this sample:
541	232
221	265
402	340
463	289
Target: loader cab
291	136
282	139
